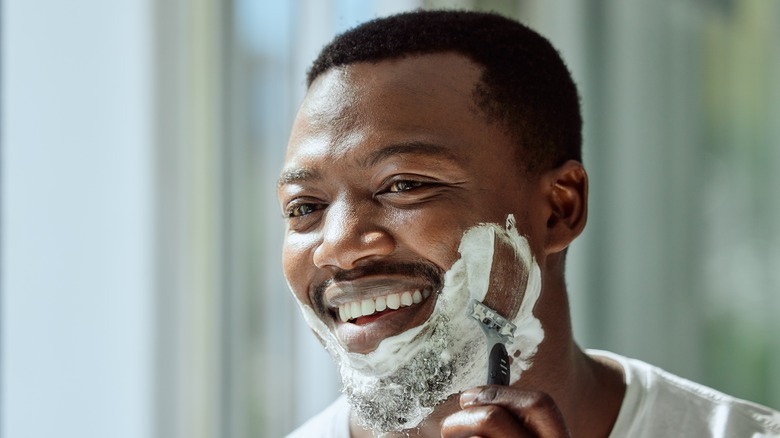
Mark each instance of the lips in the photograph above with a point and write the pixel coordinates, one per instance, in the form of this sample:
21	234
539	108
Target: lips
352	310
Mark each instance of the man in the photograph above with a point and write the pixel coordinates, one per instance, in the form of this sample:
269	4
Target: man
435	160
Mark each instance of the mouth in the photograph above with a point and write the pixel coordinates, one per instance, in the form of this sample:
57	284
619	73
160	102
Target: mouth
358	311
367	311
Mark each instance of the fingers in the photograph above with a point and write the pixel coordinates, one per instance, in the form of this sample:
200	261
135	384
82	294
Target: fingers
484	422
502	411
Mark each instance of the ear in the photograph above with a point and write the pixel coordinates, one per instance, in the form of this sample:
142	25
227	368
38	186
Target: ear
567	197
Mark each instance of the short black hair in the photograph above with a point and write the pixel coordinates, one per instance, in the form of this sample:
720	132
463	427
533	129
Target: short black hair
525	84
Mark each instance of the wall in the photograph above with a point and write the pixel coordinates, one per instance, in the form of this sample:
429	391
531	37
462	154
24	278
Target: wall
77	270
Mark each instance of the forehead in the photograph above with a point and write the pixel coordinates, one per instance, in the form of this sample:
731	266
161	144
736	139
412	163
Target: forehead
353	111
424	81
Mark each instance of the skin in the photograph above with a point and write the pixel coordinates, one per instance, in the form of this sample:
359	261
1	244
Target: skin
390	163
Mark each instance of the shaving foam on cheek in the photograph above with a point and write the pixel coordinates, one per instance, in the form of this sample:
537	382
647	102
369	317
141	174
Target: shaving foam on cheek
469	278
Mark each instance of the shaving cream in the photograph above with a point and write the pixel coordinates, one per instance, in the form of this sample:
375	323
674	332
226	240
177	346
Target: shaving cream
448	352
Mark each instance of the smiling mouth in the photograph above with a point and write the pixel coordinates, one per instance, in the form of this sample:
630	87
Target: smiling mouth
351	311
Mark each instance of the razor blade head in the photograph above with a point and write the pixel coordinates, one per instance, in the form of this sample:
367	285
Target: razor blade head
492	321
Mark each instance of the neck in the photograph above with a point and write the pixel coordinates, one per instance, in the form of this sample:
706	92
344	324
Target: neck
587	391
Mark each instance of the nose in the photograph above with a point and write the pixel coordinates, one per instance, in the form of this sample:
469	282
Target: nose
352	235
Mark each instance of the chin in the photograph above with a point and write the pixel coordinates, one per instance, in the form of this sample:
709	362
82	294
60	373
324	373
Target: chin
424	377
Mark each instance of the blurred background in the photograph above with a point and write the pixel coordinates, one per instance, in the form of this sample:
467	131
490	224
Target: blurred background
140	235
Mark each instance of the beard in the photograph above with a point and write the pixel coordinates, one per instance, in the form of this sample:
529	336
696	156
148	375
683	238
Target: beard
404	397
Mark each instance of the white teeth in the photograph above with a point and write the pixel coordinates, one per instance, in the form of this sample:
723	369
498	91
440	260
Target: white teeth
380	304
355	311
342	314
369	306
394	301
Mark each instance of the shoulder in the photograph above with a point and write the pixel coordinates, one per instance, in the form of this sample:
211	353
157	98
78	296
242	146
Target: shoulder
656	400
333	422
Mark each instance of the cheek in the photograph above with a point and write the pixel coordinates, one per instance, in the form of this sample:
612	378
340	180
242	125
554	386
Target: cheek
434	237
531	224
298	266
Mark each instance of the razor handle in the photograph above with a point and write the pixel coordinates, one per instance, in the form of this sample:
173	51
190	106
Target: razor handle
498	365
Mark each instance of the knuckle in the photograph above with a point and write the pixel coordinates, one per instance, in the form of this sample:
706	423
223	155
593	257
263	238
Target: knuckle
541	401
488	394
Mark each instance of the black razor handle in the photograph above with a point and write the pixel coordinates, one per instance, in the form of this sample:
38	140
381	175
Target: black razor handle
498	365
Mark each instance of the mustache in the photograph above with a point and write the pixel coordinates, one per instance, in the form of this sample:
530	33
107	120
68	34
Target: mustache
410	269
432	273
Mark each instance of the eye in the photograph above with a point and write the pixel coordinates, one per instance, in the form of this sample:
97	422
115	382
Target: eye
403	185
300	210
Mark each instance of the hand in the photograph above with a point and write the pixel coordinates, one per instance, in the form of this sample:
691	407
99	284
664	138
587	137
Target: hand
502	412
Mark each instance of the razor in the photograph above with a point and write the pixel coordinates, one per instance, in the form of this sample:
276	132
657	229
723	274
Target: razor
498	331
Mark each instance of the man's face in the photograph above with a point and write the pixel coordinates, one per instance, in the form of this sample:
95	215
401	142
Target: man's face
387	165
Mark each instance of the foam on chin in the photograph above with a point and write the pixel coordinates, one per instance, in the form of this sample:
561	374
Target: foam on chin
449	334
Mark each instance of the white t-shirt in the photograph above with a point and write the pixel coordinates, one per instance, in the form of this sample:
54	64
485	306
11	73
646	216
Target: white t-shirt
333	422
656	405
659	404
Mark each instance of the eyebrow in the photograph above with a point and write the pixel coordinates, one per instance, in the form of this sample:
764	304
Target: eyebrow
409	148
298	175
294	176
